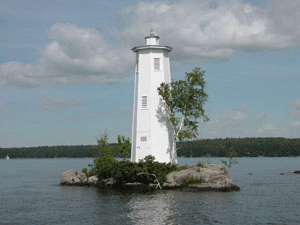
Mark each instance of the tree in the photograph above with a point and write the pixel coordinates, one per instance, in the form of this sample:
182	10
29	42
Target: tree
104	163
124	146
183	101
231	154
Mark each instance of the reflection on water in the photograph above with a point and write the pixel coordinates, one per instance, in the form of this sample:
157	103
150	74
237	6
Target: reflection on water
176	207
152	208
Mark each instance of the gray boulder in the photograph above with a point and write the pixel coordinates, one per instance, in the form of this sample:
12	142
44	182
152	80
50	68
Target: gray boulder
67	177
77	181
206	177
83	178
70	177
93	181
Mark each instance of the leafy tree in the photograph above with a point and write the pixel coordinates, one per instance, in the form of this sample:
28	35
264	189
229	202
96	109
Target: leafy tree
183	101
104	164
231	155
124	146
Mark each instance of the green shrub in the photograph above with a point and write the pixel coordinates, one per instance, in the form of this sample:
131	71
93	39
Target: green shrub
199	164
105	166
104	163
181	167
129	172
190	180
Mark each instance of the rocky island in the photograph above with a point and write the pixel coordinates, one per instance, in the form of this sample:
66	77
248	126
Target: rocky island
200	177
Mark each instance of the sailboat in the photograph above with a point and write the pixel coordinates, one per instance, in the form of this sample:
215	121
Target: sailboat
7	157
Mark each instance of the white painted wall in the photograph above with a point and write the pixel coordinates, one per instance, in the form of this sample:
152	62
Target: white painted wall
150	132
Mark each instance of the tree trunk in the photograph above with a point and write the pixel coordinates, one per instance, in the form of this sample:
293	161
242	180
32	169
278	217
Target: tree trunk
174	152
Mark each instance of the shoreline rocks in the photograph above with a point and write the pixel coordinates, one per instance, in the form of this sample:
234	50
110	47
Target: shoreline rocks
71	178
200	177
204	177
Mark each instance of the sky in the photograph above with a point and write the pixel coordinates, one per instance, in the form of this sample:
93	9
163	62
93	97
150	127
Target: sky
67	69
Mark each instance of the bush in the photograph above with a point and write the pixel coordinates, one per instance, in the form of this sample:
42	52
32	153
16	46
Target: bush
190	180
129	172
105	166
199	164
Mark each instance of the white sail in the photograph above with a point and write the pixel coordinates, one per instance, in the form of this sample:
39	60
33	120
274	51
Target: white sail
7	157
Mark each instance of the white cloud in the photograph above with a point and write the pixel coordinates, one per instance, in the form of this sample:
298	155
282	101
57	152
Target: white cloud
46	104
75	55
296	104
268	128
295	124
199	31
283	17
212	30
237	123
291	129
271	130
295	112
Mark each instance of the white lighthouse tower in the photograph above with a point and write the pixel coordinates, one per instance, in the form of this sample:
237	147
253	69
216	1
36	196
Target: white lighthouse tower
151	134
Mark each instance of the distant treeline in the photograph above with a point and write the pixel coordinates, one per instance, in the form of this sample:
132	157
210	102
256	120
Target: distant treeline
77	151
242	147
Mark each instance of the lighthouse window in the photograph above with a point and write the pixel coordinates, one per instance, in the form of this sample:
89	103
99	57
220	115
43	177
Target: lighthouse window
156	64
144	139
144	102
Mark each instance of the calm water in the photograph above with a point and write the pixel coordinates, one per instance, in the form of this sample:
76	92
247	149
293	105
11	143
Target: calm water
30	194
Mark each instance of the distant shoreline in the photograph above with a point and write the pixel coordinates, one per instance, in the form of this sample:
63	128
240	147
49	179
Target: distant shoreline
242	147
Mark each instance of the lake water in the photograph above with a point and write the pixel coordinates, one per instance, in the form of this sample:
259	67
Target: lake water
30	194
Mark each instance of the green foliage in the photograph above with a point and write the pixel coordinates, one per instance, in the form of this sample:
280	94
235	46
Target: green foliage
149	165
244	147
125	172
181	167
199	164
190	180
105	162
105	166
86	172
231	160
128	172
104	149
124	146
185	100
74	151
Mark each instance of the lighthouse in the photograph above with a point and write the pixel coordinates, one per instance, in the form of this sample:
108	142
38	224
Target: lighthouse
151	134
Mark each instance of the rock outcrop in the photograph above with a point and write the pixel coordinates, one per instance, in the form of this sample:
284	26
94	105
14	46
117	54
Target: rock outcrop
70	177
200	177
297	171
67	177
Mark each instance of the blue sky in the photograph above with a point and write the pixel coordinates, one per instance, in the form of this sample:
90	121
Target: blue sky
66	67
